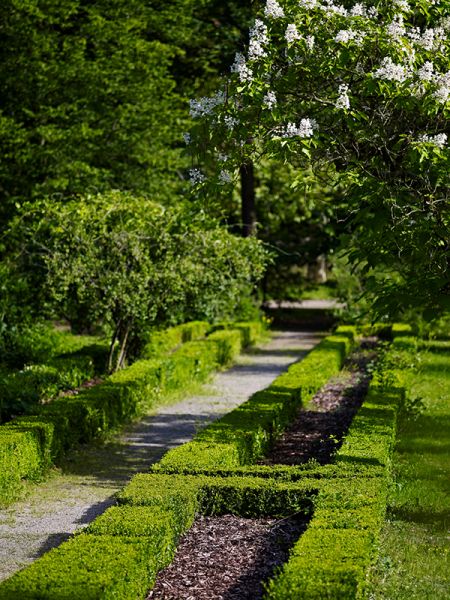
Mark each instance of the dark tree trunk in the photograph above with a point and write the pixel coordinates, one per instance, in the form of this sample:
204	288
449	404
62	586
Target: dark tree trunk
248	199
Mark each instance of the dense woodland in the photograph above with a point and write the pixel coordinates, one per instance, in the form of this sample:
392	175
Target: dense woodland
95	103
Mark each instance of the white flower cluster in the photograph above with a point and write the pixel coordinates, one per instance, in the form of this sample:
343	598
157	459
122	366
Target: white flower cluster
442	93
345	35
304	130
396	30
439	140
206	106
273	10
440	80
270	100
310	41
308	4
222	157
240	67
225	177
230	121
330	8
187	138
426	72
359	10
292	34
343	101
196	176
390	71
430	39
259	37
401	4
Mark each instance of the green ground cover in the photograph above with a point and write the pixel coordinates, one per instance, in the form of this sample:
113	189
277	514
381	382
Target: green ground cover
414	561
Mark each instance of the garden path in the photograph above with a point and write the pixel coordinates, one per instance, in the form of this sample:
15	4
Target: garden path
85	484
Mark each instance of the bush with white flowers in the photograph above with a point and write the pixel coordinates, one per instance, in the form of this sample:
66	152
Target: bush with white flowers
364	88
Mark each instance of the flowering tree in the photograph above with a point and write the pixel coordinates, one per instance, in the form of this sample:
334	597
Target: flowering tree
361	90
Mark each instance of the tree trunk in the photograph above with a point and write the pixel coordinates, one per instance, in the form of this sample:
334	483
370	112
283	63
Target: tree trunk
248	204
123	346
112	345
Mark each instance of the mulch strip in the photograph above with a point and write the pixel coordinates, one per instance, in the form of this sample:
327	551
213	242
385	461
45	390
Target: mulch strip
229	557
318	432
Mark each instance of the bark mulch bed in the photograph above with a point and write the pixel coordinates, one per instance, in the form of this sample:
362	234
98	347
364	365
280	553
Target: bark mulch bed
228	558
319	431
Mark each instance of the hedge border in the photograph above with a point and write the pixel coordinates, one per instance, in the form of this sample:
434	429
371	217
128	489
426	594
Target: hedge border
244	434
329	561
30	444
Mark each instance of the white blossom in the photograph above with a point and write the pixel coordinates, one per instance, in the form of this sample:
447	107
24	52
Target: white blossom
304	130
273	9
292	33
230	121
429	39
426	72
343	101
360	10
196	176
308	3
205	106
439	140
270	100
240	67
187	138
442	93
345	35
222	157
396	29
330	8
390	71
259	37
310	41
401	4
225	177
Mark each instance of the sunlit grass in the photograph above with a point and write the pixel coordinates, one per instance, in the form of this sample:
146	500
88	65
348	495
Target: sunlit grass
414	561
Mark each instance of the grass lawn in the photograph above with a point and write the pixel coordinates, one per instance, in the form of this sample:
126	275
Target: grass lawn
414	562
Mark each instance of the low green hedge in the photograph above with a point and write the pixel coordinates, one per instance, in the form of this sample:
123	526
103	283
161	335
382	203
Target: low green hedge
68	420
226	345
138	537
161	342
21	391
119	554
332	558
246	433
250	331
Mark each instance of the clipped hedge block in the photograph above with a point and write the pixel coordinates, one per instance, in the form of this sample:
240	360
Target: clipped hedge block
87	567
401	330
251	331
325	564
246	433
226	345
20	456
195	330
187	495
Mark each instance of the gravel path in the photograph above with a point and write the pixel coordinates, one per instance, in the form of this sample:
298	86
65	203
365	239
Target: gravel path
85	485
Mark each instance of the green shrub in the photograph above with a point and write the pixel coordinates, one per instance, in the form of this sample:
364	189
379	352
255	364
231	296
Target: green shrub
20	456
246	433
225	345
88	567
250	331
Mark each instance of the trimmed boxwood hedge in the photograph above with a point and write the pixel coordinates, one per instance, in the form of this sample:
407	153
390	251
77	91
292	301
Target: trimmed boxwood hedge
246	433
330	560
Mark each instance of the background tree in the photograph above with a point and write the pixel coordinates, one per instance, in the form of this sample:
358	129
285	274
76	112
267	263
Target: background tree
128	263
366	89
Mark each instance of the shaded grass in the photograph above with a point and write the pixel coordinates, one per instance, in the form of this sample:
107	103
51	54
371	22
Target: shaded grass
414	561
